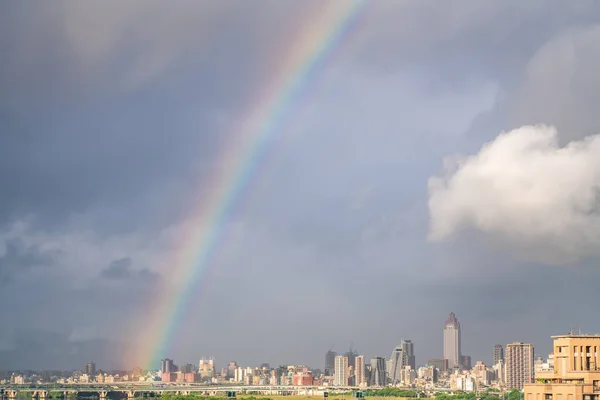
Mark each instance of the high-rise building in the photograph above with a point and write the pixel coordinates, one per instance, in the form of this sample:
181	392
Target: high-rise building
465	362
440	364
167	365
498	353
188	368
340	376
330	362
452	342
231	369
519	365
90	368
359	371
206	368
500	373
575	373
351	355
409	352
397	363
378	374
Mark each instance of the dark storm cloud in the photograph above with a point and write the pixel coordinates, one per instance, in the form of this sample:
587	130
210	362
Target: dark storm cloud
18	258
112	117
121	270
118	269
46	350
79	137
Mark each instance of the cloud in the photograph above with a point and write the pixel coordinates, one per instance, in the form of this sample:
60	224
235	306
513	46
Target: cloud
113	117
19	257
118	269
525	191
121	270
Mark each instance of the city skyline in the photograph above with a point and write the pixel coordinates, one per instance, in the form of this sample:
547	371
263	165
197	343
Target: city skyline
402	355
256	181
519	372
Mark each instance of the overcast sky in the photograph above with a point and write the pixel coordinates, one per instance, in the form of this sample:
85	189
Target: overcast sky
442	159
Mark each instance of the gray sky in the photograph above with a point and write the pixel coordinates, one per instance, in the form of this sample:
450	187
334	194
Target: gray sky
389	195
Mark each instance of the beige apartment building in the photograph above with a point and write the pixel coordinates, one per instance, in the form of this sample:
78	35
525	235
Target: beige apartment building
519	360
576	374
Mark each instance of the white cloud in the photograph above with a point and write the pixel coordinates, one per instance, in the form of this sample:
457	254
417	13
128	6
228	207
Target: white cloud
527	193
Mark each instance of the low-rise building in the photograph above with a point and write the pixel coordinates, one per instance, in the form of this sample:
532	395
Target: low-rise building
575	374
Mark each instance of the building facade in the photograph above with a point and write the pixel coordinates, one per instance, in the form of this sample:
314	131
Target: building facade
303	377
575	374
409	352
90	368
452	342
465	362
340	375
498	354
396	364
330	362
519	361
167	365
378	373
359	371
206	368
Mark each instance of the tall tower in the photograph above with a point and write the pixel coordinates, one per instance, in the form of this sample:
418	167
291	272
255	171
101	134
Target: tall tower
359	370
330	362
452	351
498	353
409	352
167	365
397	363
519	365
351	354
90	368
378	375
340	376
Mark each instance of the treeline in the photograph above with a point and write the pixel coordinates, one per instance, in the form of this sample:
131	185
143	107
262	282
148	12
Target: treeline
488	395
192	396
390	392
491	394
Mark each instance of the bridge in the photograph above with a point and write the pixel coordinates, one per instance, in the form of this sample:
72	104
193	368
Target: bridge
132	390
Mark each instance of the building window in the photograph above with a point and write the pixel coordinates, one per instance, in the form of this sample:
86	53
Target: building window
548	396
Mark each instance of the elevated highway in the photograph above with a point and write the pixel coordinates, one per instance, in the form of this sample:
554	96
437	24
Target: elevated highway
131	390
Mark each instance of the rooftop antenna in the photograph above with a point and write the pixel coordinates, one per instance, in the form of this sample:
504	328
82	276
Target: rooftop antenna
580	330
570	330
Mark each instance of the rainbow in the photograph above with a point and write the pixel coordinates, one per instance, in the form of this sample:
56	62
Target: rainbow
237	165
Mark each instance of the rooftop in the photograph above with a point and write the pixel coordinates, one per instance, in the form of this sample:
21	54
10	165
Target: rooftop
577	336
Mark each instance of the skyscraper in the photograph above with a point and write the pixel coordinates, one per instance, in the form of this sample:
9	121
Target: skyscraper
397	363
359	370
351	355
167	365
340	376
330	362
519	365
498	353
409	352
90	368
378	375
452	351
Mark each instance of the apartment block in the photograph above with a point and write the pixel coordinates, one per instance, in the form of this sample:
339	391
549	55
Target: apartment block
575	374
519	365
